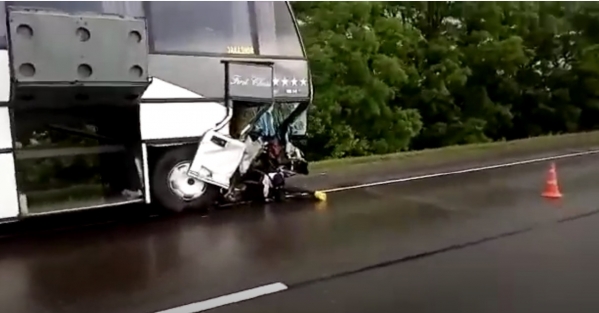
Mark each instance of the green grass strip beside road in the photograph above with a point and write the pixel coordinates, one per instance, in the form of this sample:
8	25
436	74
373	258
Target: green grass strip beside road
533	145
402	160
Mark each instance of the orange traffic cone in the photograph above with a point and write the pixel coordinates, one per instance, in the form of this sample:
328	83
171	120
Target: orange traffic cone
551	187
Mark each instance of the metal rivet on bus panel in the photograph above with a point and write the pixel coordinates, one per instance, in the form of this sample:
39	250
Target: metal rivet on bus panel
27	69
25	31
136	71
84	70
83	34
134	36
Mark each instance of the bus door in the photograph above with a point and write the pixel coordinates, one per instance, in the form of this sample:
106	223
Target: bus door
219	156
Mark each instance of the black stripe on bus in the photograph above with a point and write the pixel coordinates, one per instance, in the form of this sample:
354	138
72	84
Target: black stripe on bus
190	139
182	100
228	55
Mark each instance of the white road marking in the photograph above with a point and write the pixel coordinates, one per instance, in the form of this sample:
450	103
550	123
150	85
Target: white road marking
468	170
228	299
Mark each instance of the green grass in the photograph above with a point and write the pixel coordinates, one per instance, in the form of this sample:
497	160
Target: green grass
423	158
467	152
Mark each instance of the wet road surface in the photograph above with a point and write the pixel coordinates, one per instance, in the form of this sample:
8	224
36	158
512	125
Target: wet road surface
168	262
548	269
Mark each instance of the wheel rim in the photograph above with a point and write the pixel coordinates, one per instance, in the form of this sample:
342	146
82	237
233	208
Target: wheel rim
182	185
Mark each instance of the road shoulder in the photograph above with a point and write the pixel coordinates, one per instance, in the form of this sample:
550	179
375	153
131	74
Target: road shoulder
356	171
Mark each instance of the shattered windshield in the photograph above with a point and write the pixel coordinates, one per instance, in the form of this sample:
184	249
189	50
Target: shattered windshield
282	111
279	112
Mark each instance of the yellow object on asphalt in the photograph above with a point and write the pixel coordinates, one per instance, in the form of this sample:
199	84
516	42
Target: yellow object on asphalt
320	195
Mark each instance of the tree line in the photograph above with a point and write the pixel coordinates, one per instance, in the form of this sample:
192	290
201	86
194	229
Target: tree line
396	76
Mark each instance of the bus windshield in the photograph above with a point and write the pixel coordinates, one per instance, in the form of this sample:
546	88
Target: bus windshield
223	28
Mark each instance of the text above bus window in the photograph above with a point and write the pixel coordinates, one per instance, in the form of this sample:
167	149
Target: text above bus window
240	50
200	27
251	81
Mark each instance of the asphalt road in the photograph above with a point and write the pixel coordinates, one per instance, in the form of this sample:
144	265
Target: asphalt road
494	244
548	269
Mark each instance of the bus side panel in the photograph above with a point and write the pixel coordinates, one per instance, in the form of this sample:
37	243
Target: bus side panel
5	132
179	120
4	77
172	119
9	203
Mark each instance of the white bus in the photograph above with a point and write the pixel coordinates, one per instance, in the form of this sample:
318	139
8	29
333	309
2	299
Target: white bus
176	103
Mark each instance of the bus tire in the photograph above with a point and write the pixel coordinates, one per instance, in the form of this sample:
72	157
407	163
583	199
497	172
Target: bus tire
173	189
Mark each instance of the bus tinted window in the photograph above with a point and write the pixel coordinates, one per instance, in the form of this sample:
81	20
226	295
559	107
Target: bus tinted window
127	8
196	27
276	31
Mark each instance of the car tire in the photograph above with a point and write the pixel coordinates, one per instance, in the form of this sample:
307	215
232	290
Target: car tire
173	189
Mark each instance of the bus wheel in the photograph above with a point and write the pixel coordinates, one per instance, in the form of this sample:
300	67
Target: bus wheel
174	189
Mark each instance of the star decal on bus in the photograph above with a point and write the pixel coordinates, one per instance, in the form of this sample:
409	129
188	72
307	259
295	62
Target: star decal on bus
289	82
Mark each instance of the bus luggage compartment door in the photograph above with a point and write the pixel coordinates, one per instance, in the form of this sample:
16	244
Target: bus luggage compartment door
99	58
